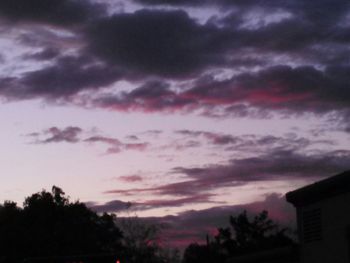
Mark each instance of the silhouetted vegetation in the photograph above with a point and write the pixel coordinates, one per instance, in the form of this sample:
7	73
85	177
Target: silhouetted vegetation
50	225
141	242
50	228
242	237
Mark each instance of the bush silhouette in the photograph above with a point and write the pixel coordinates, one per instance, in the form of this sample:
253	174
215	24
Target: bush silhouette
50	225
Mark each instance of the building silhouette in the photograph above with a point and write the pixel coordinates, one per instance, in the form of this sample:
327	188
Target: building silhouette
323	217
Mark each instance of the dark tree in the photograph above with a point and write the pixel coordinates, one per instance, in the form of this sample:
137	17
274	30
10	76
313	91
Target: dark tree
244	236
259	233
141	241
224	241
11	229
196	253
50	225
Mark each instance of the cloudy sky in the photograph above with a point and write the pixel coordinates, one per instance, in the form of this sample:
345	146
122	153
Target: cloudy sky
189	109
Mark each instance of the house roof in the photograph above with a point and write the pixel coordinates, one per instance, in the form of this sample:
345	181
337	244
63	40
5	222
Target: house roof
332	186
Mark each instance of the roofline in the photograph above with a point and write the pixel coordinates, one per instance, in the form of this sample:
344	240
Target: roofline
329	187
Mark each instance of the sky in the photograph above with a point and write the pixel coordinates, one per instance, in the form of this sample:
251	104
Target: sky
189	110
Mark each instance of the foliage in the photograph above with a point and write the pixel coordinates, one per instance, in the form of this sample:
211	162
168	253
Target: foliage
196	253
50	225
260	233
142	242
244	236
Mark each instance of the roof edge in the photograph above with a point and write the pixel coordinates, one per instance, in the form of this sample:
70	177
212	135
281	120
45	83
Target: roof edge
331	186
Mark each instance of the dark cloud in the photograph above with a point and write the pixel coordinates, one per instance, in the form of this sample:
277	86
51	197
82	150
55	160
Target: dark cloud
57	12
299	35
195	199
193	225
254	143
275	203
278	165
313	9
272	166
156	42
73	135
249	42
132	137
264	28
136	146
296	31
107	140
45	54
183	188
184	145
280	88
54	135
115	145
117	205
112	206
189	133
153	132
206	221
276	87
66	77
171	2
150	97
212	137
131	178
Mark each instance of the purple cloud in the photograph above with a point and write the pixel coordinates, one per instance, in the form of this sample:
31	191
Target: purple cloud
56	12
275	165
162	34
312	77
250	142
193	225
118	206
281	88
115	145
131	178
55	135
112	206
65	78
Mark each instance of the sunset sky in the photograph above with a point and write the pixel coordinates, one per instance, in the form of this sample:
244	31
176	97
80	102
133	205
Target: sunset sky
189	109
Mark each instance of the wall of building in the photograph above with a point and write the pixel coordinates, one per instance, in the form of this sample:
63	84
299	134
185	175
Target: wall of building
332	244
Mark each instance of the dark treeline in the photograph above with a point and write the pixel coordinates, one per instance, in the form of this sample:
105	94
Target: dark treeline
245	236
50	225
50	228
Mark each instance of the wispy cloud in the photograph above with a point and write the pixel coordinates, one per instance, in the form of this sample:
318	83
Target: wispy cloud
69	134
131	178
116	146
119	206
193	225
273	166
72	134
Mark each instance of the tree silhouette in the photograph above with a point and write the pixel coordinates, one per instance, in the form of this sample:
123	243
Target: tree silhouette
196	253
242	237
141	240
257	234
50	225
